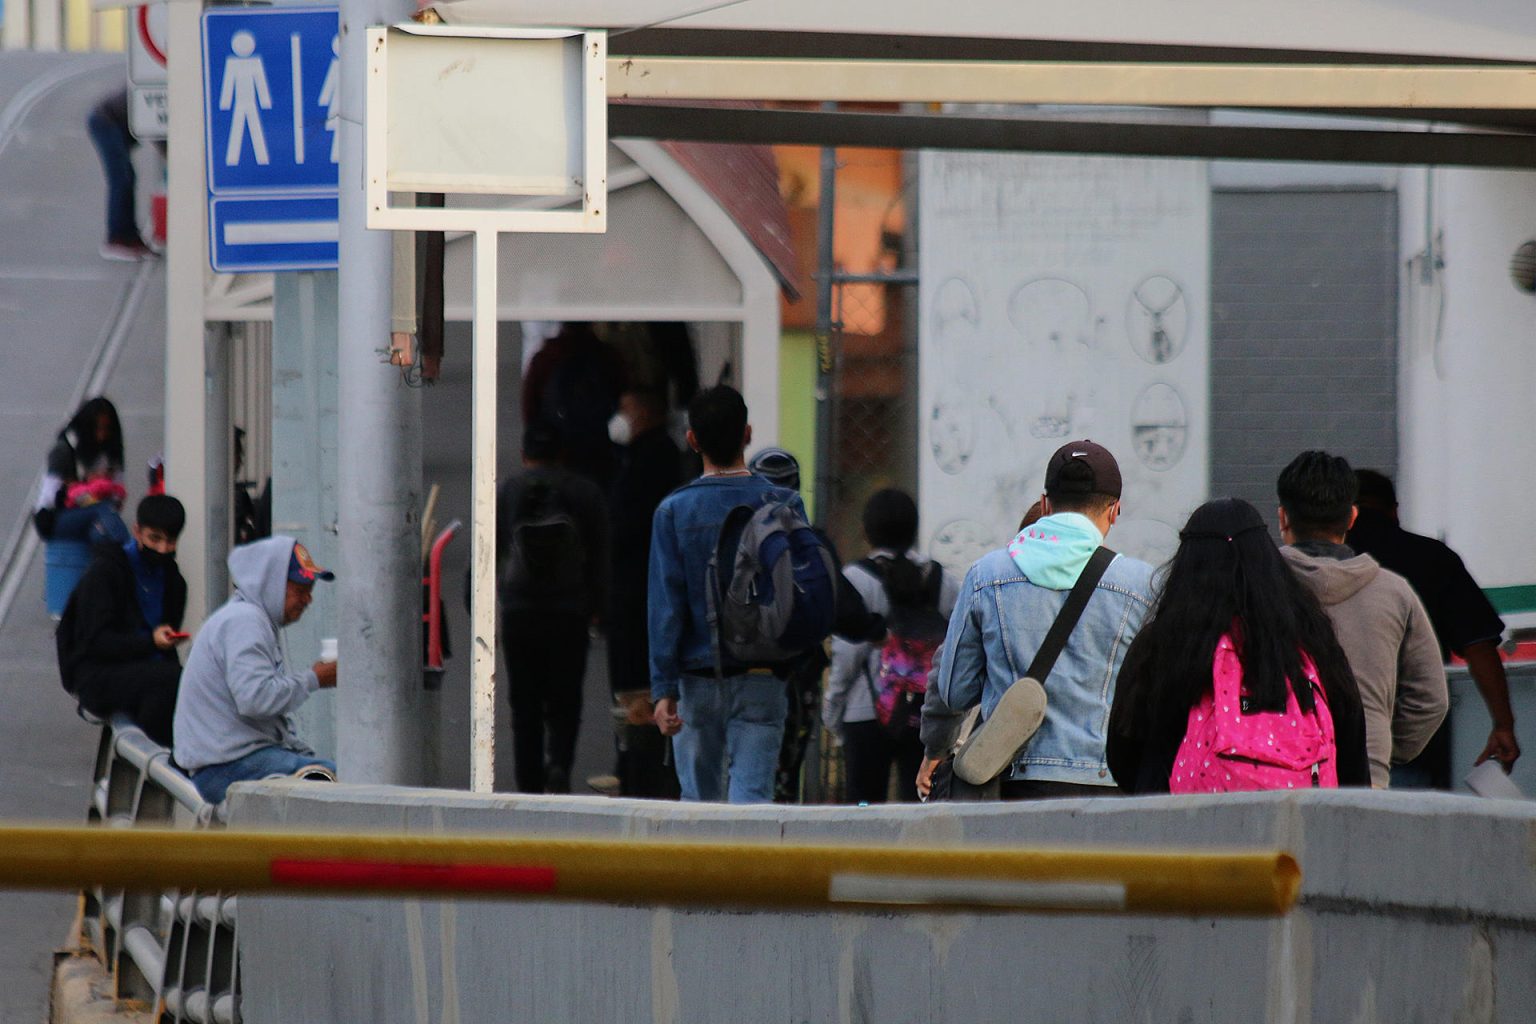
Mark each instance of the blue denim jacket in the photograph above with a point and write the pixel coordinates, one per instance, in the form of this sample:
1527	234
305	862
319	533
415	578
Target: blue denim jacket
683	536
996	630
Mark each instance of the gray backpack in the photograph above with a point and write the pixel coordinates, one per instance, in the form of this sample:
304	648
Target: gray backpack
772	587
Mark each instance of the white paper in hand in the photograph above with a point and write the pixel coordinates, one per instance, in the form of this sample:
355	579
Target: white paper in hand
1488	780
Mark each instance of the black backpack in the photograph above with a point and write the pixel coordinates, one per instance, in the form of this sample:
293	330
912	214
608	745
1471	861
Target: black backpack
545	550
915	630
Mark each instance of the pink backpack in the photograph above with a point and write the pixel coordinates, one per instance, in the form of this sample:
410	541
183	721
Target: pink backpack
1226	750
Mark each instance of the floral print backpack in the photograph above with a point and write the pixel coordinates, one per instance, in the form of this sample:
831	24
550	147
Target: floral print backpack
1229	746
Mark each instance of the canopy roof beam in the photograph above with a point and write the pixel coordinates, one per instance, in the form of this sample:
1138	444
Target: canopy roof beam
1269	86
1033	134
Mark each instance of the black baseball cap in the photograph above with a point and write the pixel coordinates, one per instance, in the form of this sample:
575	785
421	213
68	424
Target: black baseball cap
1103	476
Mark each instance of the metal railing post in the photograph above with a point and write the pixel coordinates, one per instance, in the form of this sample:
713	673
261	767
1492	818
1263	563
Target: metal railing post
176	951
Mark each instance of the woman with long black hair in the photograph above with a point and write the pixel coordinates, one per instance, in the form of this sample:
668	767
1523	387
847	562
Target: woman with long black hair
1231	618
82	490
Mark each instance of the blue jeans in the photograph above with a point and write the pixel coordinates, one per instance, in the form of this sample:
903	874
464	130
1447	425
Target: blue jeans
112	144
264	763
732	730
92	524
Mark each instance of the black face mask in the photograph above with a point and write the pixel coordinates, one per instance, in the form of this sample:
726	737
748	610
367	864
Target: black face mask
156	561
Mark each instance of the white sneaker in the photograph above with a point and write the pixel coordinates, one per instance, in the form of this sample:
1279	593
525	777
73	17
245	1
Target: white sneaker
126	252
607	785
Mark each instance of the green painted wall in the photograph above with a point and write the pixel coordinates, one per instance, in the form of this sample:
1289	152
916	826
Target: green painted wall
797	407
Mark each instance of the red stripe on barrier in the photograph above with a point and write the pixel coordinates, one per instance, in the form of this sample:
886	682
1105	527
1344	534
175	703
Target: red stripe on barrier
372	874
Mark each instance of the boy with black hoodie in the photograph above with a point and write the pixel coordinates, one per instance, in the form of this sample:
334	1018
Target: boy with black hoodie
117	638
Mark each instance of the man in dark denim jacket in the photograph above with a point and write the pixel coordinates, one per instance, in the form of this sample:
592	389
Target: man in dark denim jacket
737	721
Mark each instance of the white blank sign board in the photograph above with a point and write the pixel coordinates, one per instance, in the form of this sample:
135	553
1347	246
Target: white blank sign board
519	95
482	112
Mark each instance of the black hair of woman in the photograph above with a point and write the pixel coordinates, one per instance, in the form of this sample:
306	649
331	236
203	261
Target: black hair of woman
1228	577
85	426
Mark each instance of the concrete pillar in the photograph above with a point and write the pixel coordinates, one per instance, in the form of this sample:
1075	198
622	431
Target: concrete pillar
218	457
381	733
16	32
186	270
304	464
48	25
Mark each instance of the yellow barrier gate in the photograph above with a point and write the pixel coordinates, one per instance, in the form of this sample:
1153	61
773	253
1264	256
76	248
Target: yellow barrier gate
636	872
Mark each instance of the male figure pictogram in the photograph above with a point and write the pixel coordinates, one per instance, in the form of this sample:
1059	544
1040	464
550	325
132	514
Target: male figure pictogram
245	89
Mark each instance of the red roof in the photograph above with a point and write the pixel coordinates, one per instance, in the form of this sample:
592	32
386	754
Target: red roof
745	181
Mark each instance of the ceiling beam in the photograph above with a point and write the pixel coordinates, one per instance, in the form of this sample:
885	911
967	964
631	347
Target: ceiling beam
1269	86
954	131
669	41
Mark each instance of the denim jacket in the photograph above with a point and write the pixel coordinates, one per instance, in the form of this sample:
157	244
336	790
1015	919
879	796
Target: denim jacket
995	632
683	537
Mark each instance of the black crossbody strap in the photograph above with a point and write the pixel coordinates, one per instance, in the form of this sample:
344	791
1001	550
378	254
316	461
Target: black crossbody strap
1066	619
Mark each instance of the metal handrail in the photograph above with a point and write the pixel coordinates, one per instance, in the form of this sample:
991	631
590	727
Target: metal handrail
175	950
155	761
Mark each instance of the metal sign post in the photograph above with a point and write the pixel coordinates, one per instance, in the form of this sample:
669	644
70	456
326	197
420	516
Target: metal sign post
482	666
486	116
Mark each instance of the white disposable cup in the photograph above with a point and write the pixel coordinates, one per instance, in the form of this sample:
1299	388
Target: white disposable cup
328	649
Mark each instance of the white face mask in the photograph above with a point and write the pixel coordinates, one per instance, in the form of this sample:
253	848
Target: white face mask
619	430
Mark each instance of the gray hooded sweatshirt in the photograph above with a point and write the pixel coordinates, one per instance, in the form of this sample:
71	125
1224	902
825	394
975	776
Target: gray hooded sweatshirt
1391	647
237	694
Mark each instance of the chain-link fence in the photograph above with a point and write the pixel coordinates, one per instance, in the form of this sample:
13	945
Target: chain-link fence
873	388
874	385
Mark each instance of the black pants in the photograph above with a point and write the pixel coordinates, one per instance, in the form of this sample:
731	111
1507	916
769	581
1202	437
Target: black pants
644	769
1025	789
546	654
143	690
869	751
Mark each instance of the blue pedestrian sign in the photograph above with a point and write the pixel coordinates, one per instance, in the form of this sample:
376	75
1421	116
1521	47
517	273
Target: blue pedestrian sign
271	89
261	233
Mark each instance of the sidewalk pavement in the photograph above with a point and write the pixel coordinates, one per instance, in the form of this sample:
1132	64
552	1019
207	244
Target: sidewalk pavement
56	298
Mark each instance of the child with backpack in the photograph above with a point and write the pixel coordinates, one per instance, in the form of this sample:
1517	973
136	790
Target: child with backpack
874	695
1236	680
739	586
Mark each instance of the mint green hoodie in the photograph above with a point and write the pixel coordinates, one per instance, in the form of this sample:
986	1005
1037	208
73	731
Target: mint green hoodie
1051	553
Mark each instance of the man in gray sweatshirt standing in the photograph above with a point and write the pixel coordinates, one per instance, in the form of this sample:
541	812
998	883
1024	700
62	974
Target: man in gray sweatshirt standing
234	712
1380	622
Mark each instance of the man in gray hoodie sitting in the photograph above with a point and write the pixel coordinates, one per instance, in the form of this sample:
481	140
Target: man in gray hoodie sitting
1380	622
234	712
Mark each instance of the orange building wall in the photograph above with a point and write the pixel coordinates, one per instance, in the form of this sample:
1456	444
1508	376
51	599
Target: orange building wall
870	214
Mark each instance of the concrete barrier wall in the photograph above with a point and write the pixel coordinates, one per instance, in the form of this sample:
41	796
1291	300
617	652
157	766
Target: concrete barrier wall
1415	908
